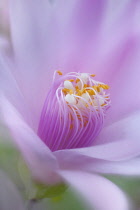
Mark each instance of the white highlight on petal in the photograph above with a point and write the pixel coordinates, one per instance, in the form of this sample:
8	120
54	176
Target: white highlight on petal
70	99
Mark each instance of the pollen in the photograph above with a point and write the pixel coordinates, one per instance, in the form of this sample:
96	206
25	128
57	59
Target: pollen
92	75
59	72
81	89
77	80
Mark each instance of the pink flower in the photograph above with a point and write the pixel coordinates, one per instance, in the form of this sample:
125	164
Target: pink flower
52	126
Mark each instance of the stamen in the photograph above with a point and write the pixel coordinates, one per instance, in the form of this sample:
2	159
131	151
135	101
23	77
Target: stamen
59	72
92	75
74	111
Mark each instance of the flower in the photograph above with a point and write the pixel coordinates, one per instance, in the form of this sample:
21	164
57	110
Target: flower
80	39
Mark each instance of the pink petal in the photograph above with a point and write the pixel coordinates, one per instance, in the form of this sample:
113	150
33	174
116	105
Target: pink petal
129	168
125	99
78	31
9	87
29	29
97	191
119	141
117	59
85	37
42	41
95	165
39	158
125	129
119	53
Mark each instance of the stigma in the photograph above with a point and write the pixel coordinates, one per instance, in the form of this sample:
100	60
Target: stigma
74	111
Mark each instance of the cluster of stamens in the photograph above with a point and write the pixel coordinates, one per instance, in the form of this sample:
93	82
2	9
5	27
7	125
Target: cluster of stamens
74	111
83	89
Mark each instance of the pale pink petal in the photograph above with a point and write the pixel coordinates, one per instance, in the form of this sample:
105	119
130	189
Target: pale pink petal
117	59
97	191
78	42
124	129
78	31
39	158
42	41
129	168
124	83
119	141
119	55
29	31
9	86
96	165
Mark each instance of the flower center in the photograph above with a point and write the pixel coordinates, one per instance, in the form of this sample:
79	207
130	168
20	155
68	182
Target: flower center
74	111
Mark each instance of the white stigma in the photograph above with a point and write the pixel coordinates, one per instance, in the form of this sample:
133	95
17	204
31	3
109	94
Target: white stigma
84	77
70	99
68	85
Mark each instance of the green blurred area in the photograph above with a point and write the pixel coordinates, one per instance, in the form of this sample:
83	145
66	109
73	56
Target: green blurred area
130	185
9	162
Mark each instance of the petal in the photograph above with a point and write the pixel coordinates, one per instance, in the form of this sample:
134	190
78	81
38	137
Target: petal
131	167
88	164
39	158
34	45
120	62
78	32
29	31
99	192
9	195
32	33
117	59
124	84
9	87
84	38
125	129
119	141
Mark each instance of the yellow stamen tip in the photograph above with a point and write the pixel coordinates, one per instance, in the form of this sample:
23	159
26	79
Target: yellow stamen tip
59	72
77	80
76	87
71	80
92	75
70	91
65	90
85	85
91	92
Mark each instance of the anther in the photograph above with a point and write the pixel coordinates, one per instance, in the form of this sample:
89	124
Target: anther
59	72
